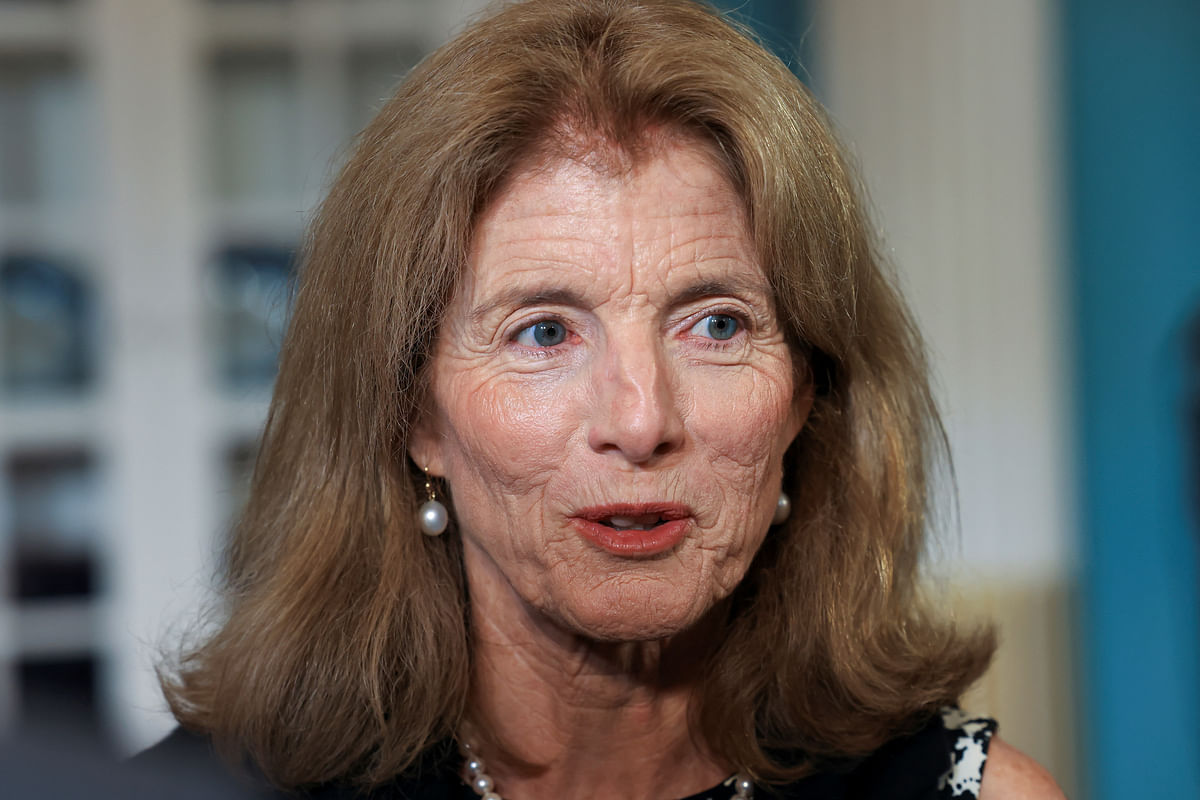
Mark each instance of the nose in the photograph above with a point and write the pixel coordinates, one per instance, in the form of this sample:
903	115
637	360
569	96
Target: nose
638	407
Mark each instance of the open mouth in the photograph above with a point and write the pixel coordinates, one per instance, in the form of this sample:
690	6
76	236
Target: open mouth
634	516
635	529
640	523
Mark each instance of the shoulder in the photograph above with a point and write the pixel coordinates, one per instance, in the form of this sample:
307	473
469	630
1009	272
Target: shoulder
984	766
186	765
1012	775
190	761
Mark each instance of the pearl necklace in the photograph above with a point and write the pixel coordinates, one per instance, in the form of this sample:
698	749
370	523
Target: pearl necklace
475	774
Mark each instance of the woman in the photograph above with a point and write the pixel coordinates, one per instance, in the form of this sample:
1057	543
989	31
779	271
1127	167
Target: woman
598	460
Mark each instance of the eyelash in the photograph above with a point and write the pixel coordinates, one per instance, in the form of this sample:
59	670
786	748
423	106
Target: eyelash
704	342
720	344
541	352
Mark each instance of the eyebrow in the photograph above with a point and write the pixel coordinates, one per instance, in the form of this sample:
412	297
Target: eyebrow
520	297
732	288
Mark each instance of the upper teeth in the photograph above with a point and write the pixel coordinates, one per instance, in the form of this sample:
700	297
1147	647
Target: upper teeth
625	523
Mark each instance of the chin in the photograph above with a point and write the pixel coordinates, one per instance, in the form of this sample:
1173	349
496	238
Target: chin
630	614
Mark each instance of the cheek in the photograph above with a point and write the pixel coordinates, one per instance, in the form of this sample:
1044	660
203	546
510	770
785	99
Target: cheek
743	426
505	435
746	420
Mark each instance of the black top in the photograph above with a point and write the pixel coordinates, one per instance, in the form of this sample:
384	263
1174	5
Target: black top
942	760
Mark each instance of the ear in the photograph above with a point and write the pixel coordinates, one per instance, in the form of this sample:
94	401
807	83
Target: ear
425	445
802	400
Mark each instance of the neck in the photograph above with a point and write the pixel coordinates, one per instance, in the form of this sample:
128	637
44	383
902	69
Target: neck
555	714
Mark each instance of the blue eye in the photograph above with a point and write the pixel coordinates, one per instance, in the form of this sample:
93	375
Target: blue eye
716	326
546	333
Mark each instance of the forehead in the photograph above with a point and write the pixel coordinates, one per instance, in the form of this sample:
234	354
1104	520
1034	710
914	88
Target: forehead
671	213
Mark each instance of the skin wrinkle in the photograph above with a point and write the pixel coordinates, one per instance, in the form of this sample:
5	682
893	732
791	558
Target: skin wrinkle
329	529
632	406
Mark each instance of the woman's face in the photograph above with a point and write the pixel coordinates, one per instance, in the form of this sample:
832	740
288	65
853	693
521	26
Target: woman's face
612	397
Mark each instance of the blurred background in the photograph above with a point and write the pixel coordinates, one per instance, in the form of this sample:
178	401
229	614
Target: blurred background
1034	170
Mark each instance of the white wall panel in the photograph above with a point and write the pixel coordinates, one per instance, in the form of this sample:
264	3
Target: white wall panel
951	110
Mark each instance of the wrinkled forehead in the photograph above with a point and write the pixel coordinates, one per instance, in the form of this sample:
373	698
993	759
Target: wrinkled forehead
670	215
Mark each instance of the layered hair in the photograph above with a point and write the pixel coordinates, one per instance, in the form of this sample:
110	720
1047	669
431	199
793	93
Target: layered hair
342	651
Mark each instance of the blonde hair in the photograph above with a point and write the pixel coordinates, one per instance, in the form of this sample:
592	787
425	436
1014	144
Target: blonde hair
344	651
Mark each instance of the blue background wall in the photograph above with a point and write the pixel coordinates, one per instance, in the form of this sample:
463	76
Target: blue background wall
782	24
1133	184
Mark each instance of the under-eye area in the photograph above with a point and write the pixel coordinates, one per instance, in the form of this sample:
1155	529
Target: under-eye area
582	538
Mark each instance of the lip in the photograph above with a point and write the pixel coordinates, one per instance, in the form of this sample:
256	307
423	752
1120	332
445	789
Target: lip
677	519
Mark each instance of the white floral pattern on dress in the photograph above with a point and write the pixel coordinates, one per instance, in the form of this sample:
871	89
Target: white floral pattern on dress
965	774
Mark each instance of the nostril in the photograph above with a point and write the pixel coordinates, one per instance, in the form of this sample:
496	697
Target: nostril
637	414
637	443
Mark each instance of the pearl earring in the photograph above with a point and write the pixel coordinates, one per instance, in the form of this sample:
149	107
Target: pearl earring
432	516
783	508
